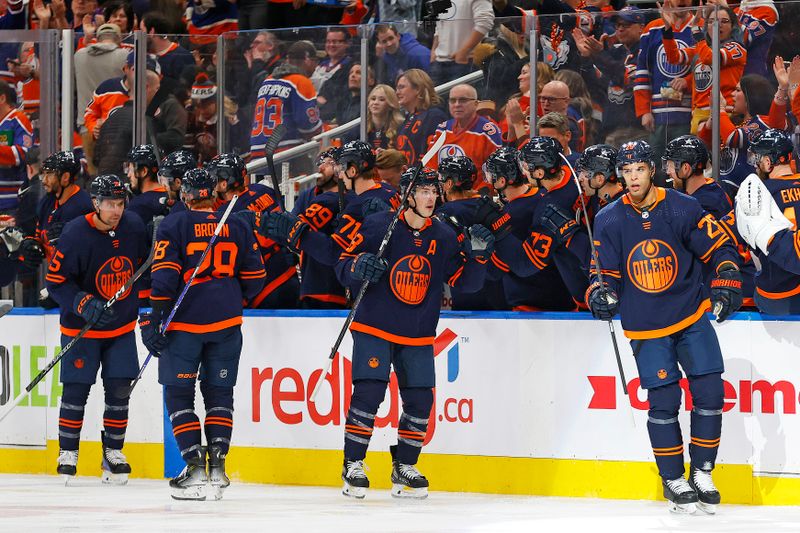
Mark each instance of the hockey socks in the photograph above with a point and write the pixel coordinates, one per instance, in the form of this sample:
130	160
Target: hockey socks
219	416
707	398
665	431
185	423
70	419
417	403
115	415
367	397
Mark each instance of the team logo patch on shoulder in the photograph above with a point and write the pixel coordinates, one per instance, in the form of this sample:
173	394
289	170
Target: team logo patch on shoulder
410	279
652	266
113	275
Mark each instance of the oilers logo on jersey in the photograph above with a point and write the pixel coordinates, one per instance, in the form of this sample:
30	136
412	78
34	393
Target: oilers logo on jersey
702	77
112	275
668	69
450	150
652	266
410	279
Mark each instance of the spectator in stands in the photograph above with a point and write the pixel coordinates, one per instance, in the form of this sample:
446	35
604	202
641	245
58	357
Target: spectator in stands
177	64
201	131
555	98
115	137
467	133
458	32
16	139
581	100
398	52
350	108
516	113
26	73
383	117
758	19
95	63
391	164
120	13
418	99
556	125
663	103
609	72
14	18
502	68
330	76
211	18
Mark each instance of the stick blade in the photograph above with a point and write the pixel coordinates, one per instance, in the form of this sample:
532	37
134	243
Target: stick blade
434	149
274	139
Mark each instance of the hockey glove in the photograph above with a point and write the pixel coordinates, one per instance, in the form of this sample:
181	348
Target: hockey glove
480	243
92	310
726	292
372	206
31	253
12	238
54	232
491	216
368	267
602	302
152	337
558	224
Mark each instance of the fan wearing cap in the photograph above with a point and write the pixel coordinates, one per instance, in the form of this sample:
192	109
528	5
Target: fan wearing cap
201	131
95	256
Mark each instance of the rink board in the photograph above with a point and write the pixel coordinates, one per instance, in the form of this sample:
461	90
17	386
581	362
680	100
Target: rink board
525	404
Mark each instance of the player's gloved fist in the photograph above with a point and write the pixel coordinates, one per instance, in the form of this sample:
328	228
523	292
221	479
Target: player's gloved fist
372	206
54	231
479	243
368	267
602	302
152	338
12	239
92	310
558	224
491	216
726	292
31	253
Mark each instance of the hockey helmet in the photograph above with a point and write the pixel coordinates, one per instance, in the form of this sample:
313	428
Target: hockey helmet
197	184
108	187
460	169
356	153
176	164
228	167
61	162
143	155
776	144
503	163
598	159
634	152
427	176
686	149
542	152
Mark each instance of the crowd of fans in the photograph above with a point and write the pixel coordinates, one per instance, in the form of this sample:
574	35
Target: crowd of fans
607	72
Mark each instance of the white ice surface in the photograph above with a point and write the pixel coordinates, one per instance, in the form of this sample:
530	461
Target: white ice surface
43	503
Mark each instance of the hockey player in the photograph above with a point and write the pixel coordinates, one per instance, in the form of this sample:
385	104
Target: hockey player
96	254
281	286
684	160
597	174
650	244
149	196
777	292
170	173
204	340
423	253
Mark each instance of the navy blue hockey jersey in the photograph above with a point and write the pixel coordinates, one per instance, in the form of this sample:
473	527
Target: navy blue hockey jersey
50	211
150	204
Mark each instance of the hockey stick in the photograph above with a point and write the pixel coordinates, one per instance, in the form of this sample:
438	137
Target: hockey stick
5	307
599	274
122	290
381	250
165	325
269	149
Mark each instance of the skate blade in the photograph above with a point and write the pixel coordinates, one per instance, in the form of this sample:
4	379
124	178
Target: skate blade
682	508
707	508
67	479
197	493
354	492
108	478
216	491
401	491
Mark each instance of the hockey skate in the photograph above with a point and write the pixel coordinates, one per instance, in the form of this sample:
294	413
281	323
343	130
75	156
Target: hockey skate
707	494
67	464
115	467
407	481
217	479
355	480
681	496
191	482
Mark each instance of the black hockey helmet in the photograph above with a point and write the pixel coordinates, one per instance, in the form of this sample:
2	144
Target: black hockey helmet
198	184
598	159
634	152
331	153
61	162
108	187
460	169
427	176
686	149
776	144
542	152
503	163
176	164
228	167
143	155
356	153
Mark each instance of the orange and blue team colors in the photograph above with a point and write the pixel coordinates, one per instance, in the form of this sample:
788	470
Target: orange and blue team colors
478	140
650	259
99	263
654	73
215	20
232	273
291	101
758	23
16	137
403	306
50	212
109	95
414	134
